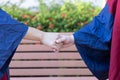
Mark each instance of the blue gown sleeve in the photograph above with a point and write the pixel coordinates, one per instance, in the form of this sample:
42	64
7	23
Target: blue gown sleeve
93	43
11	33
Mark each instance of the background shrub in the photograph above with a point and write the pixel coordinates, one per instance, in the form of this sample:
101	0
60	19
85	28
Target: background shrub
68	17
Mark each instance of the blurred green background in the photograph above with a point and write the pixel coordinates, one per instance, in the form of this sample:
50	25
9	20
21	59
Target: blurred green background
68	17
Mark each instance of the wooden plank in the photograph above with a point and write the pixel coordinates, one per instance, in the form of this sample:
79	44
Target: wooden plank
42	48
26	64
55	78
43	72
47	55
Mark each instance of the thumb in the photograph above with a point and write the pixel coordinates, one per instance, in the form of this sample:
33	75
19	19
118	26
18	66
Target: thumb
60	39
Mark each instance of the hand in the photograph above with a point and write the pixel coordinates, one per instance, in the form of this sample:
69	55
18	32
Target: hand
46	38
49	40
66	40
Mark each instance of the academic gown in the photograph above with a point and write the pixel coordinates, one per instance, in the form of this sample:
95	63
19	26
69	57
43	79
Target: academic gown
11	33
98	42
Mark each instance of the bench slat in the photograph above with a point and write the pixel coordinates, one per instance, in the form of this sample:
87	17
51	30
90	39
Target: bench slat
47	55
43	72
56	78
26	64
42	48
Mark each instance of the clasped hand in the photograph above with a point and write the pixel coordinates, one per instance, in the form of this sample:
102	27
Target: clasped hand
57	41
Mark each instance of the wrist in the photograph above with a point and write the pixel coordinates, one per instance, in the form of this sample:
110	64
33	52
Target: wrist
72	39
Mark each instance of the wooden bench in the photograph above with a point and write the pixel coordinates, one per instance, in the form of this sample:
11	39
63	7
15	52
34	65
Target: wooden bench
33	61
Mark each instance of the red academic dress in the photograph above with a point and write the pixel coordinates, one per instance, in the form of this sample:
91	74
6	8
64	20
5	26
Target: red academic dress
114	72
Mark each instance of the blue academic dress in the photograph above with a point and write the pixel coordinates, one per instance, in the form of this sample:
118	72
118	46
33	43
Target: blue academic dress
93	42
11	34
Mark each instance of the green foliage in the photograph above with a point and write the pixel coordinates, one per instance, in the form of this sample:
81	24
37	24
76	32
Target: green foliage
68	17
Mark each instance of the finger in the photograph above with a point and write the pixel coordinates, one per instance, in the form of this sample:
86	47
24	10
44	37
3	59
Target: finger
57	47
60	39
56	50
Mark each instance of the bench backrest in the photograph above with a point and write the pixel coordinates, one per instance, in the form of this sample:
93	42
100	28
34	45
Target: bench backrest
35	60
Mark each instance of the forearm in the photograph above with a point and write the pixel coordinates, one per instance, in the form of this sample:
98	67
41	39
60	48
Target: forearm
34	34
